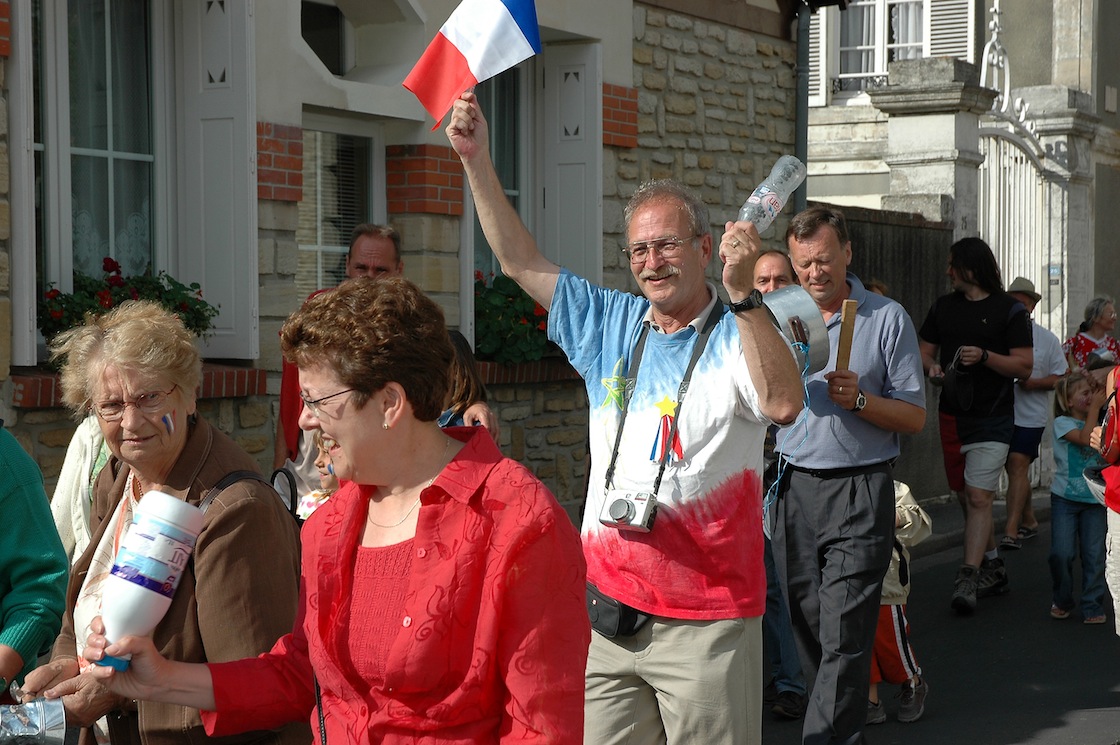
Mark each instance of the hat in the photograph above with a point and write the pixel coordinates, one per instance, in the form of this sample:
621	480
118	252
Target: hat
1024	286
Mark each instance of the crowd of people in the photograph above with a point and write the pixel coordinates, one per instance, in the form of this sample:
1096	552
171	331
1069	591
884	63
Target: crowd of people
744	543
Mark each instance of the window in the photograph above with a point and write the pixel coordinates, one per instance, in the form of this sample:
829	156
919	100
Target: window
338	193
849	50
874	33
504	102
324	28
93	139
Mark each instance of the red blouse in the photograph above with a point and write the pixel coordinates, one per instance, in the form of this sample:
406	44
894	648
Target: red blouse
493	635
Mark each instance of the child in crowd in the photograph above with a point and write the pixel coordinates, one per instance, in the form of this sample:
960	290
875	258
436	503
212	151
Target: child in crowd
892	658
328	482
1076	517
466	384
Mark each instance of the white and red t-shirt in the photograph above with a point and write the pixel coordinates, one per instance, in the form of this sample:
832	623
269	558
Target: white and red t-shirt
703	558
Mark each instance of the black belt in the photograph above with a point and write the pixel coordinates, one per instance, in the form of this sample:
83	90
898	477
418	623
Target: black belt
839	473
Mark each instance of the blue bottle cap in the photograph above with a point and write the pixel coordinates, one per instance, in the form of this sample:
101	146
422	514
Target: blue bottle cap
120	664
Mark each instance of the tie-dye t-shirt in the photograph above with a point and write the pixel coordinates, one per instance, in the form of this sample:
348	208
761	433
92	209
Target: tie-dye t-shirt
703	558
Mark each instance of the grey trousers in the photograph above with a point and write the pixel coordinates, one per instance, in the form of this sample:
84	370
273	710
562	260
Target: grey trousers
832	542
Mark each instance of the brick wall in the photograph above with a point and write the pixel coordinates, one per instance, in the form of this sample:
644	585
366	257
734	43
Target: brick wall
279	162
620	116
423	179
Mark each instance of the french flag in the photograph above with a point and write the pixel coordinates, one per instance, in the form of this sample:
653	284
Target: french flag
481	39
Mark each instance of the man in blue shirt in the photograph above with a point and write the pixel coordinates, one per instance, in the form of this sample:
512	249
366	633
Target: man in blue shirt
834	525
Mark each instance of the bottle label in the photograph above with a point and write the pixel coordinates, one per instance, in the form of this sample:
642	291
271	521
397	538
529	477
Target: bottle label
766	198
153	555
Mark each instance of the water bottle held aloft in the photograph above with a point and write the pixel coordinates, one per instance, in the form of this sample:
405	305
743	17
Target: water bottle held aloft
772	194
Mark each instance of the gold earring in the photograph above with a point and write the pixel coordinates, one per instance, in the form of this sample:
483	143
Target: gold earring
384	425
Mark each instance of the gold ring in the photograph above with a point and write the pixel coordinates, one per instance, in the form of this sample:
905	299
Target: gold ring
841	390
735	242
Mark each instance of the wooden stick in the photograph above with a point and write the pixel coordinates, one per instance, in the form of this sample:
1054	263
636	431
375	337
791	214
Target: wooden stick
847	328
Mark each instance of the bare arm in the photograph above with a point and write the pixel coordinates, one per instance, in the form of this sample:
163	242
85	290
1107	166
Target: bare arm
1017	363
1045	383
773	369
929	359
512	243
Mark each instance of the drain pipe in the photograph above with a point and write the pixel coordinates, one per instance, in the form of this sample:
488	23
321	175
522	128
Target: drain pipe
801	139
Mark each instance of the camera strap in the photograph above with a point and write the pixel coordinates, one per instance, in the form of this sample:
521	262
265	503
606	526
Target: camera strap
632	380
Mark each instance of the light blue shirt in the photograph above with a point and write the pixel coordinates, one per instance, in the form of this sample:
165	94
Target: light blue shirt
885	355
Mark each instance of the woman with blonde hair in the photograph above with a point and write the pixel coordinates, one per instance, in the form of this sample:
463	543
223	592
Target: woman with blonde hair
137	369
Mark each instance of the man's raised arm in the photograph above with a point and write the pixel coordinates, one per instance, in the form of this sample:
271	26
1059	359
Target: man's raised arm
511	242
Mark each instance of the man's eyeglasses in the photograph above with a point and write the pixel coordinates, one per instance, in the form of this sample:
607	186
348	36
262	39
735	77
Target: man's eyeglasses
668	248
315	407
147	403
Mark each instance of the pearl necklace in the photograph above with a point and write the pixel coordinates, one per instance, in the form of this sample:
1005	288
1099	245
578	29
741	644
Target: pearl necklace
446	445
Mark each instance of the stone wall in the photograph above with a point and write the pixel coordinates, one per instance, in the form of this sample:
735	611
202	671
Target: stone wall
544	427
716	108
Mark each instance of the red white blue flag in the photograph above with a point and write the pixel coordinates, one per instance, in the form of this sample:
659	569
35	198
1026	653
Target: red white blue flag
481	39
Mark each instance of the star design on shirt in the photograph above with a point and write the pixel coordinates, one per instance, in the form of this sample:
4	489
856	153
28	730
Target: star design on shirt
667	406
616	387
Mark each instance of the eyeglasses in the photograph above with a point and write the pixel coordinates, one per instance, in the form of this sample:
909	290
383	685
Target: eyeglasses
315	407
668	248
147	403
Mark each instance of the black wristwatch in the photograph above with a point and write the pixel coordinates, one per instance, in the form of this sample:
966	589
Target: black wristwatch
861	401
750	302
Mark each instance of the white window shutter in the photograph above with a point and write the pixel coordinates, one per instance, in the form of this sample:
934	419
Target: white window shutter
572	156
952	29
819	85
217	200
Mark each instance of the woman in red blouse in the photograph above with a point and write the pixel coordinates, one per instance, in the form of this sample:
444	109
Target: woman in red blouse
442	596
1093	349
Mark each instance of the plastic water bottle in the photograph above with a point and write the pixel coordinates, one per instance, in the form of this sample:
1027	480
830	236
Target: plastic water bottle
771	195
147	568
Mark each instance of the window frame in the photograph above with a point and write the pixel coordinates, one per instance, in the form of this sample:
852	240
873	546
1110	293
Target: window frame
57	240
882	48
373	131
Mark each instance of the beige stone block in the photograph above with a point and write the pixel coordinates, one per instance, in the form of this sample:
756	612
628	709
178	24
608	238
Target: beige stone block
5	272
516	443
5	220
275	215
254	443
642	55
680	104
254	413
655	18
287	255
5	174
279	298
654	81
427	233
47	416
266	255
434	273
56	438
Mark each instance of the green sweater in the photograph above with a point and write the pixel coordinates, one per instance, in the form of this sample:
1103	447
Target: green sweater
33	568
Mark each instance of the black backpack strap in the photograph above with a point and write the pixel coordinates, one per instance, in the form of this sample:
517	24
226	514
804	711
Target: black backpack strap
293	496
227	481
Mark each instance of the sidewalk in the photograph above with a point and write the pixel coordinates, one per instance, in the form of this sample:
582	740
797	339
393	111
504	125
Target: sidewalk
948	521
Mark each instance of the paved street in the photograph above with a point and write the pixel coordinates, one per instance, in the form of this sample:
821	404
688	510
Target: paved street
1008	675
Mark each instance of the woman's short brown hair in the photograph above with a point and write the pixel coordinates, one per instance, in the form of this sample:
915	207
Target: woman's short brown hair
371	332
137	336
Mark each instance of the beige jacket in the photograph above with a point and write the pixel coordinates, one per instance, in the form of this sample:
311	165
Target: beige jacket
912	526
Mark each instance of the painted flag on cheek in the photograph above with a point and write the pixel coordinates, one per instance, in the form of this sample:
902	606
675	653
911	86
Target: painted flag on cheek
481	39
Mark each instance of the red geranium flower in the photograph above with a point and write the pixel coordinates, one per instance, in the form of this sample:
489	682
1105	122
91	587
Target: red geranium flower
543	325
538	310
105	299
478	275
132	293
108	265
56	313
115	280
53	293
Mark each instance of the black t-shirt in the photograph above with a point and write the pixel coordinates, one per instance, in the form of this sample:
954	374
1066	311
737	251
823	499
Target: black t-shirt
998	323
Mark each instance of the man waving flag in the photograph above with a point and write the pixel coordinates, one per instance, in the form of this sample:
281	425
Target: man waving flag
481	39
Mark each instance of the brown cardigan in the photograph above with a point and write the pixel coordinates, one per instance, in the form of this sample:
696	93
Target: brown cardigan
240	598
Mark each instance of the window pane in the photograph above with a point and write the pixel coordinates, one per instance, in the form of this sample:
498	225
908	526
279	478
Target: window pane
500	100
90	210
131	77
89	127
131	216
336	197
904	40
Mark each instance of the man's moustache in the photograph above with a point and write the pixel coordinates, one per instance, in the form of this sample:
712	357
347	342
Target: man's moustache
667	271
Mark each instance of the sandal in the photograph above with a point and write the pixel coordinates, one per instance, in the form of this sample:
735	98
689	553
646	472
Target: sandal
1095	620
1058	614
1025	532
1010	543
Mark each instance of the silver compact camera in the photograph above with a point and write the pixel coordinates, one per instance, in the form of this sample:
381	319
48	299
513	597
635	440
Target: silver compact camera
629	510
